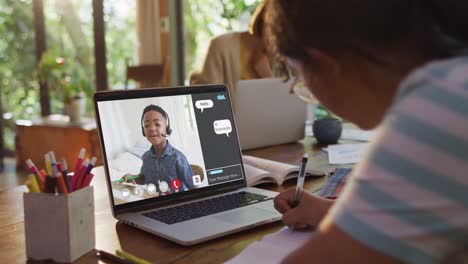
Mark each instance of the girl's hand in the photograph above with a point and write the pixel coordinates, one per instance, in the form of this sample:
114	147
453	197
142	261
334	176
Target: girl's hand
308	213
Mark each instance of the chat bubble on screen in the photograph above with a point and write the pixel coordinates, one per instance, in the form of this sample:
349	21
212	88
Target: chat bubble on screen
203	104
222	127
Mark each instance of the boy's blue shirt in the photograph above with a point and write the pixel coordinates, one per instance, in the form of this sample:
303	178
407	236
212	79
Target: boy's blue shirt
170	165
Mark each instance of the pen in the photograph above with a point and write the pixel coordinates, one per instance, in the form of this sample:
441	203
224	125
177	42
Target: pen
87	172
53	163
76	172
64	169
43	173
50	183
61	183
47	164
35	171
59	167
79	161
32	185
112	257
91	165
63	176
88	180
131	258
300	181
78	179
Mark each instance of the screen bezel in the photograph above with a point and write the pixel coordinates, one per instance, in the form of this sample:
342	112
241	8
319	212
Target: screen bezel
156	202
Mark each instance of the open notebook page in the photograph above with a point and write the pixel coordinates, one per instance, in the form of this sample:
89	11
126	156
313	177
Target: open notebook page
272	248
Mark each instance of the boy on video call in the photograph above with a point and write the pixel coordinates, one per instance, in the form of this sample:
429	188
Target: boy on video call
162	163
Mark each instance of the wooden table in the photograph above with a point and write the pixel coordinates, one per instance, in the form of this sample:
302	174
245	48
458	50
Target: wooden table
112	235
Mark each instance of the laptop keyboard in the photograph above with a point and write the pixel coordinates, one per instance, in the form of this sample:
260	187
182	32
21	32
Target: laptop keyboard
202	208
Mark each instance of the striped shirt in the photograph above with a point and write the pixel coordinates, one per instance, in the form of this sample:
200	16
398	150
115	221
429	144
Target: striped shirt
409	197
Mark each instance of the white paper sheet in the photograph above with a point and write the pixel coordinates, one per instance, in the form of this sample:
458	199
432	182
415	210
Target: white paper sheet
346	153
357	134
272	248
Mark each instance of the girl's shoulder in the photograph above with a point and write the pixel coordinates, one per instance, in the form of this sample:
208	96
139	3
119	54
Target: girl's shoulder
452	70
450	75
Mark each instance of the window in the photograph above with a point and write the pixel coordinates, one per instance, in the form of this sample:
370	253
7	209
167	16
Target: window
205	19
18	80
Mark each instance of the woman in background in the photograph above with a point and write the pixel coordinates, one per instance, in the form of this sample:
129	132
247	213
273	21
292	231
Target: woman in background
399	64
236	56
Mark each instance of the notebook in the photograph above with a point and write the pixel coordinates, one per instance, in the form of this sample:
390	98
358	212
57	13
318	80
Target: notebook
265	107
272	248
173	163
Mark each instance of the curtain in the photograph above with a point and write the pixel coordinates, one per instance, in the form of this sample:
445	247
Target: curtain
149	32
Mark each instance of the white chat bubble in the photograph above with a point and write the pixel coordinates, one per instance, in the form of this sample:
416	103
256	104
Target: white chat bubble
203	104
222	127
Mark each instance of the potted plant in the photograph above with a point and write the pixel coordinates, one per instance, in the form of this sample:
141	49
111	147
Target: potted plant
67	82
327	127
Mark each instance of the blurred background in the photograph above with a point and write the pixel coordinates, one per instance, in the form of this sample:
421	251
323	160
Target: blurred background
54	52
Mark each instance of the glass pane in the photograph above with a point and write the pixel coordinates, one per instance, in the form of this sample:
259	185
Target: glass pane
68	64
205	19
121	39
18	79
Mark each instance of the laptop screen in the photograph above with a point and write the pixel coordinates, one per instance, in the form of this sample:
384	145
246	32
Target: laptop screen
160	144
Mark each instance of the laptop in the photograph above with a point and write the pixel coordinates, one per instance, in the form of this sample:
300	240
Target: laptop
265	107
193	189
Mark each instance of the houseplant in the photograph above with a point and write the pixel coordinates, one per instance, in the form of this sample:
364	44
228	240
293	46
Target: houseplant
327	127
67	82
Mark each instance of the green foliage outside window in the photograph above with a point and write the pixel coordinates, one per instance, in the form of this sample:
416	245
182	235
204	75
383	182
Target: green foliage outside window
69	30
64	78
18	80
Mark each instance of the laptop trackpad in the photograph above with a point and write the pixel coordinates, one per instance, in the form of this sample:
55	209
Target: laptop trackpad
246	215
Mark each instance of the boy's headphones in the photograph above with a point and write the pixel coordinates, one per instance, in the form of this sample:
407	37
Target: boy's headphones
158	109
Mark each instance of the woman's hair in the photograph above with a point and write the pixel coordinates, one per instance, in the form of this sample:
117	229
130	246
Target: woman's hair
257	22
437	28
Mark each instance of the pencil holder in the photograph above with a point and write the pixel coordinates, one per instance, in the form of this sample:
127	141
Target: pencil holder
59	227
